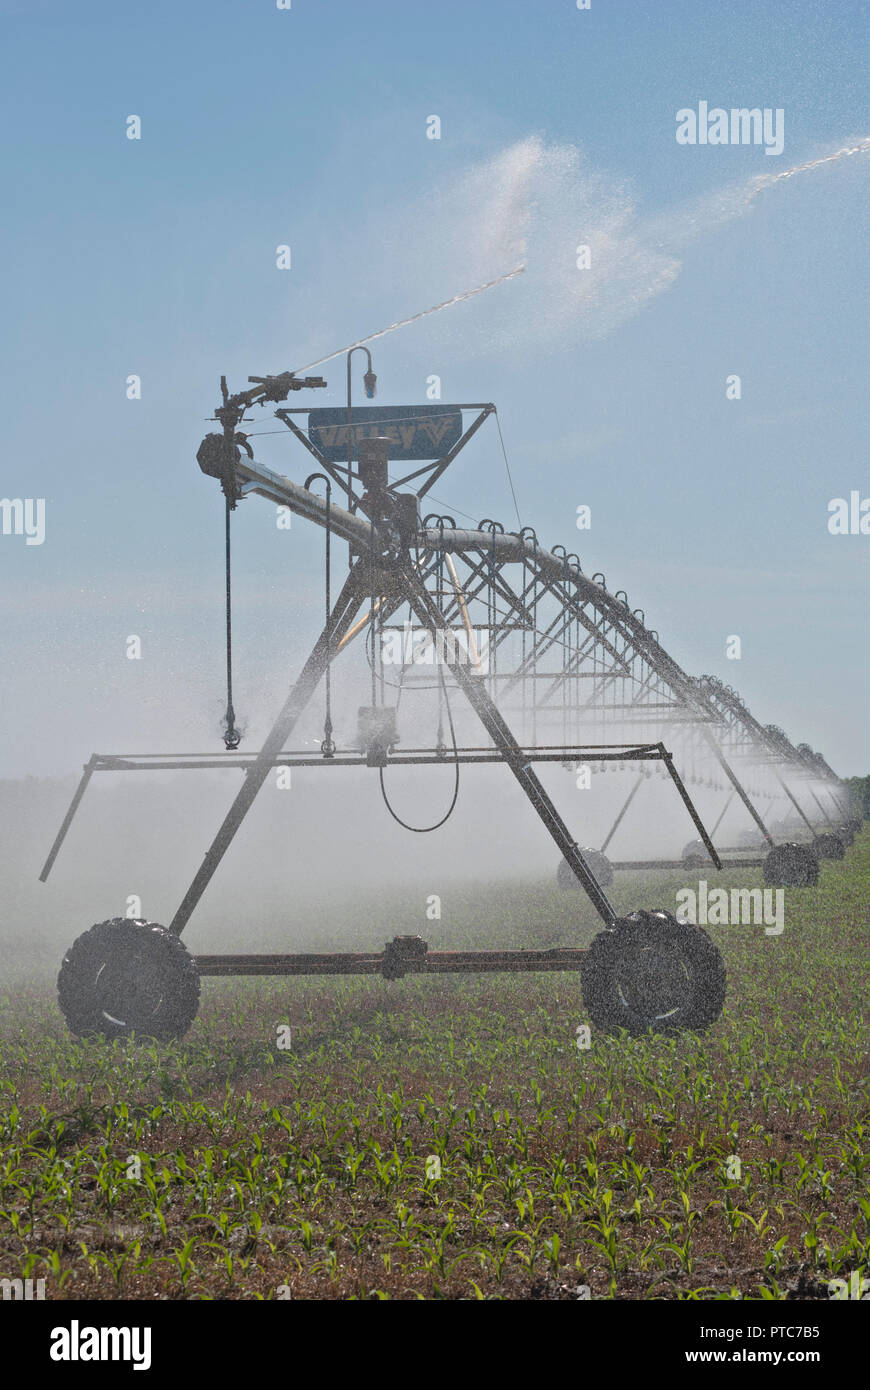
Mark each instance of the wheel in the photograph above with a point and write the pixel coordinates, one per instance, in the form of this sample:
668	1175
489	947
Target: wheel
125	976
695	853
829	847
846	834
598	863
791	866
652	973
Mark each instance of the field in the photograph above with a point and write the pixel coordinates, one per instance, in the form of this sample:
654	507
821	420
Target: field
224	1166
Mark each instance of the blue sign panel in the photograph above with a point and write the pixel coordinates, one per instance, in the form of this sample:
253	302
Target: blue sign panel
417	432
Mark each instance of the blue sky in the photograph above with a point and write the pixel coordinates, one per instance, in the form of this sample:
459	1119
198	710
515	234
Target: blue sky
262	127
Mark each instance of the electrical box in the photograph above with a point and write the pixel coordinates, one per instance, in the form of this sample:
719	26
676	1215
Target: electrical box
373	464
377	732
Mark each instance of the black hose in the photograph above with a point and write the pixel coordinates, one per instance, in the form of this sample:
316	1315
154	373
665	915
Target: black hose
426	829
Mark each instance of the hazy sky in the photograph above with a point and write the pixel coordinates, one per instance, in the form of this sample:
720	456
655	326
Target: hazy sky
307	127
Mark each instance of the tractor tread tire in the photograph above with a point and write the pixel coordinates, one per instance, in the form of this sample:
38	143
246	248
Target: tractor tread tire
598	863
158	950
829	847
791	866
601	994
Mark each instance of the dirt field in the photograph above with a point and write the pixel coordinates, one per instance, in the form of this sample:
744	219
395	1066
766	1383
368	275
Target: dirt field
225	1166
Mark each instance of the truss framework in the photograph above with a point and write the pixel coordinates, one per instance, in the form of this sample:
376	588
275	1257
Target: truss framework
569	664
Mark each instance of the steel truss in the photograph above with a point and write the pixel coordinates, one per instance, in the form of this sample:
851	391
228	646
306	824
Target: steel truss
568	665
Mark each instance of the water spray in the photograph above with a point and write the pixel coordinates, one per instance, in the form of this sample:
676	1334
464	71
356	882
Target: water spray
764	180
424	313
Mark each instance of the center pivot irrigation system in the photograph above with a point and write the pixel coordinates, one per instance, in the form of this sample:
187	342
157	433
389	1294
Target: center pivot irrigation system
553	666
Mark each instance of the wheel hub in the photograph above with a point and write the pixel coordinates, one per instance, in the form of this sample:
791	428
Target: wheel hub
127	994
652	981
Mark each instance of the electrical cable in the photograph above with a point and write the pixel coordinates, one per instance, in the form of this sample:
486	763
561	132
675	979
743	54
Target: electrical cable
427	829
232	737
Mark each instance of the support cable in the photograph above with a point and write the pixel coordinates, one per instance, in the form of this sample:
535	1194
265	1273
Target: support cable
508	471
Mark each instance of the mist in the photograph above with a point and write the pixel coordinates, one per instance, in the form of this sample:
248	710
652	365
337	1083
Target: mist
535	204
325	850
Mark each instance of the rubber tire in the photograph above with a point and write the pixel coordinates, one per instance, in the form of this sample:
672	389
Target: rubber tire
598	863
791	866
604	999
149	962
829	847
695	854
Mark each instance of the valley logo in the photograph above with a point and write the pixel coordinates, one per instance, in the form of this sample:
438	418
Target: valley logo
739	126
76	1343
